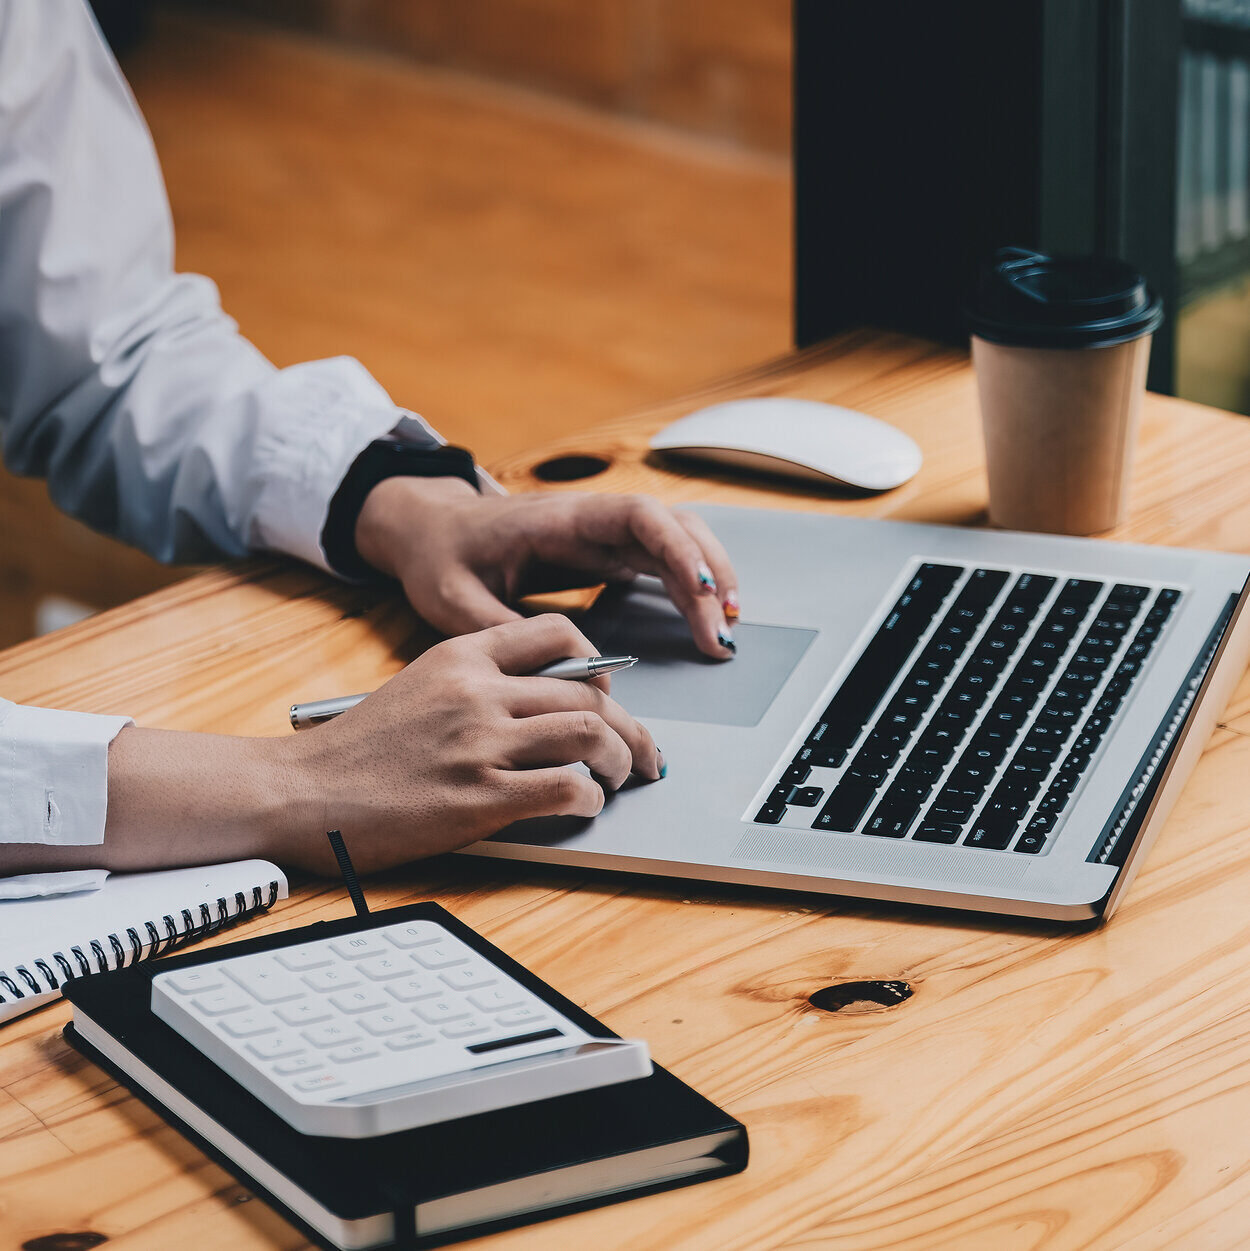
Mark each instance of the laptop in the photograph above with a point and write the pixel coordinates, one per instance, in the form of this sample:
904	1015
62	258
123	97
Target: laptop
964	718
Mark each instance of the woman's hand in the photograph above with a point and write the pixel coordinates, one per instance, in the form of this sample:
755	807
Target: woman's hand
460	744
462	558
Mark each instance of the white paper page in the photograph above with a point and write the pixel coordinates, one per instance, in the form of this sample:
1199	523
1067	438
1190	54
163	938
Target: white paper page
36	929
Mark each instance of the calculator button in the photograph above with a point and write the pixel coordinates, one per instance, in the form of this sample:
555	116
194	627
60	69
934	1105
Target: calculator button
190	980
248	1024
440	956
417	987
264	982
219	1002
365	1000
297	959
393	1022
298	1064
276	1046
469	977
357	1051
307	1013
331	1035
331	979
463	1029
322	1081
383	968
521	1016
418	934
357	946
413	1038
498	999
439	1010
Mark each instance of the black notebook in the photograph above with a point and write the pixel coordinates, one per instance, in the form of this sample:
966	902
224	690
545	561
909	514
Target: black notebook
424	1187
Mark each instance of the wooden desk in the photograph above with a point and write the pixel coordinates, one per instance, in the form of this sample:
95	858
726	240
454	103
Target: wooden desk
1041	1088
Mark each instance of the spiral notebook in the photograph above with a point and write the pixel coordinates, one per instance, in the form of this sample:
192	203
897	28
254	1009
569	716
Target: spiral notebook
133	916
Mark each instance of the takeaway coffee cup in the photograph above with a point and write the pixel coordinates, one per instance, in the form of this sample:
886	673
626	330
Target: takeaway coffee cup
1060	346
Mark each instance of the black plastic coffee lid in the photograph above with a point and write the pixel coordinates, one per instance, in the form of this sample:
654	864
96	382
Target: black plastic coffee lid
1027	299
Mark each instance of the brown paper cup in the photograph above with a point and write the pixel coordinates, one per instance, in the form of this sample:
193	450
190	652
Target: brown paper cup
1060	428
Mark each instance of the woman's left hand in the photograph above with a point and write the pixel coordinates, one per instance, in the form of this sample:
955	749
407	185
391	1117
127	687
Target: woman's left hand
463	558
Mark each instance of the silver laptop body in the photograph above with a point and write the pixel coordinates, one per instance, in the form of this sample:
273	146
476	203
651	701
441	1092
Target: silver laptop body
955	717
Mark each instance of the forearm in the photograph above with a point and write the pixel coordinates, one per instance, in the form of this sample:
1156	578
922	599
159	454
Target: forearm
181	799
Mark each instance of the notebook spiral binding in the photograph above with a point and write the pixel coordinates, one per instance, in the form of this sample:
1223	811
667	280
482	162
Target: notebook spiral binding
128	948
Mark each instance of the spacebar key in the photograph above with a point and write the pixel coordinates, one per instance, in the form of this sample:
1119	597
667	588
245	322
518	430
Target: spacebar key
845	808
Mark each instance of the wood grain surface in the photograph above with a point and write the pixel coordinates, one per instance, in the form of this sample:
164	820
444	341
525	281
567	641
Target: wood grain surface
1040	1089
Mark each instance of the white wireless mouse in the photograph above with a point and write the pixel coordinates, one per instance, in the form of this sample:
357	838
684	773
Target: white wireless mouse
800	438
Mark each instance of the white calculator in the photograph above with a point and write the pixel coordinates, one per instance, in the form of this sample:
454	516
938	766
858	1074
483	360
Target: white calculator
376	1030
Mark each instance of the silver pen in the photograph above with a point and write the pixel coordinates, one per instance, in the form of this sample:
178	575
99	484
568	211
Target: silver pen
574	669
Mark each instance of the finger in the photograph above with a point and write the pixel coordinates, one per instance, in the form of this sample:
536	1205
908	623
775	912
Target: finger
718	560
713	635
464	604
639	526
555	792
561	738
536	697
521	646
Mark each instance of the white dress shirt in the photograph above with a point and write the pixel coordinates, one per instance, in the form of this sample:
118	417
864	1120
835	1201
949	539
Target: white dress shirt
125	385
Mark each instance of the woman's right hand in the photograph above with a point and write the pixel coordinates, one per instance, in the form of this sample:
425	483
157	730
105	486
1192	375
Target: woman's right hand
460	744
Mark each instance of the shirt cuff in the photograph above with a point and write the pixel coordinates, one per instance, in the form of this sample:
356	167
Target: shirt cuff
321	416
54	774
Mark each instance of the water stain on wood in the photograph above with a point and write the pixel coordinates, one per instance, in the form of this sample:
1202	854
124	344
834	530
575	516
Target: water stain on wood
855	997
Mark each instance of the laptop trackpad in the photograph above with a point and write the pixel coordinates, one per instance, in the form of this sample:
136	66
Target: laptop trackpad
673	680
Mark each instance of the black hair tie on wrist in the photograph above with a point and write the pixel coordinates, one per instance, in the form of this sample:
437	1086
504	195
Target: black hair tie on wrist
382	459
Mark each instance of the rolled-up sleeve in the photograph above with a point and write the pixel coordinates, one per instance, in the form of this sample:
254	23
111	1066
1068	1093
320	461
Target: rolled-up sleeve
122	382
54	775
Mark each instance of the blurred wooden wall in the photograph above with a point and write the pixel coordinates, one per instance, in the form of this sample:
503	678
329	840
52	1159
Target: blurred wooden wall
720	68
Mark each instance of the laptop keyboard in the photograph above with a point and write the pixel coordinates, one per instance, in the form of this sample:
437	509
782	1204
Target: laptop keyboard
1010	684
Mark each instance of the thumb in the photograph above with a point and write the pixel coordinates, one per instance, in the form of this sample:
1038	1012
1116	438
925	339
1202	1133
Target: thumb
461	604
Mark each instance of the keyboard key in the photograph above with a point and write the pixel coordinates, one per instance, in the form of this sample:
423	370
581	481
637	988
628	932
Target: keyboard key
276	1046
331	1034
298	959
528	1015
333	978
391	1021
309	1012
796	775
937	832
889	821
440	956
219	1002
189	981
807	796
1129	592
354	1052
993	836
364	1000
318	1082
845	807
437	1011
406	1042
383	968
418	934
497	999
469	977
265	981
465	1029
1033	587
416	987
770	814
248	1024
357	946
298	1064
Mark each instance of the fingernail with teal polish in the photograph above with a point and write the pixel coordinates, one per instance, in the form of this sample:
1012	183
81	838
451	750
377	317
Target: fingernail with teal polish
663	764
726	639
706	579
